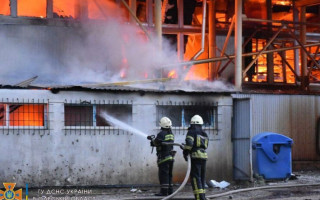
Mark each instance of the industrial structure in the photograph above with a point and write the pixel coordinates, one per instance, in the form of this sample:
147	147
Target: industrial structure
52	128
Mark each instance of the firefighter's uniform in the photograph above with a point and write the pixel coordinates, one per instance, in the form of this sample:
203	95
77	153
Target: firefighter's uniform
165	156
196	145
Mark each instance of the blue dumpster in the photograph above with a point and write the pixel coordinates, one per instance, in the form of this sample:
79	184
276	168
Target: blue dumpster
272	155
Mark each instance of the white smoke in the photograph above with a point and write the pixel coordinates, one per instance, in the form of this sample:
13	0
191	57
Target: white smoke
96	52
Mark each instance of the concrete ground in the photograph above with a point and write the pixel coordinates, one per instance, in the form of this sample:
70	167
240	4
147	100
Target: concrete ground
277	191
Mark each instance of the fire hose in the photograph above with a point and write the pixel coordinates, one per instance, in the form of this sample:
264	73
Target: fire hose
151	137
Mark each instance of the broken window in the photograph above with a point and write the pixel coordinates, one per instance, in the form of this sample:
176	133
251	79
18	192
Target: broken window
23	115
181	115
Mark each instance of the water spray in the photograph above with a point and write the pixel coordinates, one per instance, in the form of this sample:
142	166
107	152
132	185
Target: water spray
129	128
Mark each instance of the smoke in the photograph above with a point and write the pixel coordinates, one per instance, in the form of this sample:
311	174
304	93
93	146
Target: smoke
93	52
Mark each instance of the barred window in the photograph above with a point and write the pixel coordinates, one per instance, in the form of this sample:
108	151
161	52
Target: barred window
23	115
2	114
119	111
182	114
76	115
91	115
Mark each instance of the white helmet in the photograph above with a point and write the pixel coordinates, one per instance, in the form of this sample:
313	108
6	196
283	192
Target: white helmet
196	120
165	122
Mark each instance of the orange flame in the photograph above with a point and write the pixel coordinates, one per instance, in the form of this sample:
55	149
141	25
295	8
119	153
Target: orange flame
27	115
172	74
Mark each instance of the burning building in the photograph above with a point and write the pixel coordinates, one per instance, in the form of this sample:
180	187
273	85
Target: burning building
140	60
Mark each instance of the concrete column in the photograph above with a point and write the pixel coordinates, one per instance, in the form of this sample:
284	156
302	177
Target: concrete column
212	39
238	44
133	7
158	21
303	38
13	8
149	12
49	8
180	39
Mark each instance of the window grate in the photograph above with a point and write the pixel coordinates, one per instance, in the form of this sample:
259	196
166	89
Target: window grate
83	117
181	113
20	116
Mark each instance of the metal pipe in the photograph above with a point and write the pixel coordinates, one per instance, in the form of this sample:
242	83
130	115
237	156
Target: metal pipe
227	40
263	50
203	30
137	20
238	44
196	62
158	21
279	21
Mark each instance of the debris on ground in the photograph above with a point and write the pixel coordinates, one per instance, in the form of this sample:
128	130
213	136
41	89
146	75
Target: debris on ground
221	185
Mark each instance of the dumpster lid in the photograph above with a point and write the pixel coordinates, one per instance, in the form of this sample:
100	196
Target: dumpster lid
270	137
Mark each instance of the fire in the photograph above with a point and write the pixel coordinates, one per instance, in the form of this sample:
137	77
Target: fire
97	9
172	74
4	7
27	115
122	73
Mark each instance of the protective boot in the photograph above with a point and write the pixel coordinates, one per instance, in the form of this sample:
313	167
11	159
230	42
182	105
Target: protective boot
170	190
203	196
163	192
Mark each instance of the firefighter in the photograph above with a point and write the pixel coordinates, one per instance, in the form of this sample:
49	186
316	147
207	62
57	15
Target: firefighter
196	145
165	156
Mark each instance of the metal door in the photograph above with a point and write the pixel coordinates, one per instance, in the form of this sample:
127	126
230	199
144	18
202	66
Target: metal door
241	138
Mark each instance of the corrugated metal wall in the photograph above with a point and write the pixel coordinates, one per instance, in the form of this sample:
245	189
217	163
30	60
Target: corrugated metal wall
292	115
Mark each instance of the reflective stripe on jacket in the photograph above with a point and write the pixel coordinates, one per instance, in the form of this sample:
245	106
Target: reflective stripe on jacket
197	142
164	152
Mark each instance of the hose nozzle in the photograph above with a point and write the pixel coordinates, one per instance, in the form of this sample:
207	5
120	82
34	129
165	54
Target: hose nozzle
151	137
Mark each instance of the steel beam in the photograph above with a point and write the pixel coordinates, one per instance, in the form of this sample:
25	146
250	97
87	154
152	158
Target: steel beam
263	50
196	62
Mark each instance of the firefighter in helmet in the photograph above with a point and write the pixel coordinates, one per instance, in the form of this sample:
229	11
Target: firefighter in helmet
196	145
165	156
